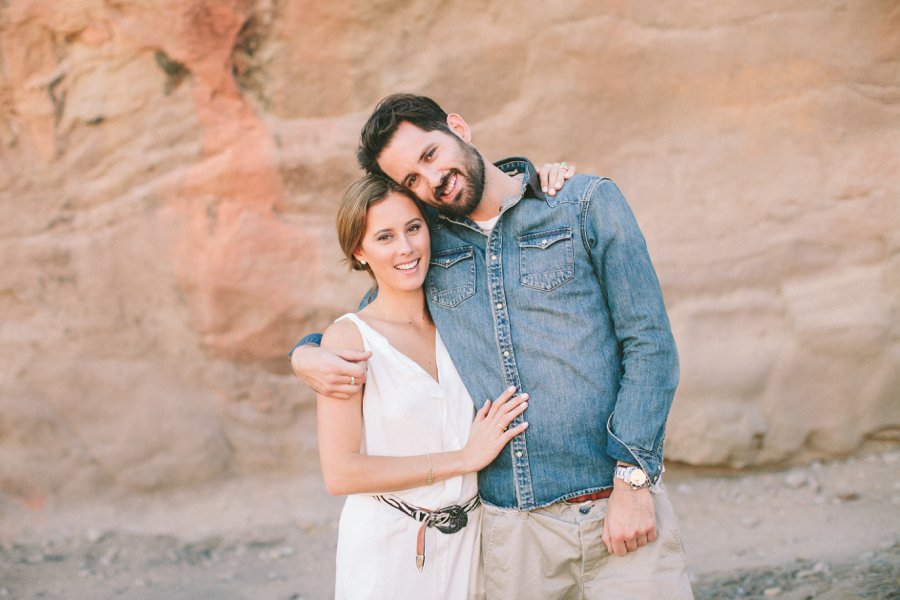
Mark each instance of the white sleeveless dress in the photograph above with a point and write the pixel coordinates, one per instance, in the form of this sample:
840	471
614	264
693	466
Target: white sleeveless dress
406	413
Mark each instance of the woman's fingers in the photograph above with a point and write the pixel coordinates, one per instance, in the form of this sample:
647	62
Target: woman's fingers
554	175
483	411
562	174
504	419
514	431
501	400
549	174
544	176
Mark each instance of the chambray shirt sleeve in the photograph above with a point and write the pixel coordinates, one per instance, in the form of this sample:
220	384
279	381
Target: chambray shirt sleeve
649	357
315	339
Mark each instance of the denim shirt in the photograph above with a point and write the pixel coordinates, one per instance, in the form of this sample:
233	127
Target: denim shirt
560	300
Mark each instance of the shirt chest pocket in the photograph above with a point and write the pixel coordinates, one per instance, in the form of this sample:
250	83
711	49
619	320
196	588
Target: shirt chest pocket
451	278
546	259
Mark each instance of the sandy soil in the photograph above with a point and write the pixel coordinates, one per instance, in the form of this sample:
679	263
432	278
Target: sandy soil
827	530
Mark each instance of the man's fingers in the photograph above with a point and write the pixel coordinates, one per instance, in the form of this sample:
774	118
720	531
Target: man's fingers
352	355
631	545
606	539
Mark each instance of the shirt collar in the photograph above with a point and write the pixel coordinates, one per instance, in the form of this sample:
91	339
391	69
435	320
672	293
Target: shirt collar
519	164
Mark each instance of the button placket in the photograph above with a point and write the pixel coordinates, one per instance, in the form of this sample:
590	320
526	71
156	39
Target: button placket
521	468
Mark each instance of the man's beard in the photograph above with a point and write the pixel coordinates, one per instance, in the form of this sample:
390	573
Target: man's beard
473	176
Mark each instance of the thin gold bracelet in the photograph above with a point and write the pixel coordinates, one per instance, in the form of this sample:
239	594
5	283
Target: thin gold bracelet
430	479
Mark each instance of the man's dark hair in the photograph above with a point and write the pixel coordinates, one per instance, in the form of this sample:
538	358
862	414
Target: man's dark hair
420	111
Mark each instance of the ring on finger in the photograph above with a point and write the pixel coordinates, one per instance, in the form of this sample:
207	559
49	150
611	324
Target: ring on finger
564	165
352	380
502	428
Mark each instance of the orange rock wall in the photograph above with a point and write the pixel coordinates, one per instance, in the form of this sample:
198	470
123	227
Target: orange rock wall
169	171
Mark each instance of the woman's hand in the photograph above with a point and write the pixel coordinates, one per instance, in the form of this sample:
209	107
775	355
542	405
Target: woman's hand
553	175
490	431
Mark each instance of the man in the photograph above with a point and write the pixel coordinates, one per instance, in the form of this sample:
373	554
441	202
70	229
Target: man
556	295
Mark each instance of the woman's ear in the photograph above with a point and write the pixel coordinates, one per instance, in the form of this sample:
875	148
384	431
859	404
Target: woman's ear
359	258
459	126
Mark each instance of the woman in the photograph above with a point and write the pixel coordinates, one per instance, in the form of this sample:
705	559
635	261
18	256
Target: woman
405	447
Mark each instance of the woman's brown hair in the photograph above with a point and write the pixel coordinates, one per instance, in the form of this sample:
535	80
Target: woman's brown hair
351	217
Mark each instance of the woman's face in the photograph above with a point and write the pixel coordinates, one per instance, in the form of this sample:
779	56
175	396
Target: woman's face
396	243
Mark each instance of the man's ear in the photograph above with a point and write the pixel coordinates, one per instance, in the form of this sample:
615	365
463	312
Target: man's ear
459	126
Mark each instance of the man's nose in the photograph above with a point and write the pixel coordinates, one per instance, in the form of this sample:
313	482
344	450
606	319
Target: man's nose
434	177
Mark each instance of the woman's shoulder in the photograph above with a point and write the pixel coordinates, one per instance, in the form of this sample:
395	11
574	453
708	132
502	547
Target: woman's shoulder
343	333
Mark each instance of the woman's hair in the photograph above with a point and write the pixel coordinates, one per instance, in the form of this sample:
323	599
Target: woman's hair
351	217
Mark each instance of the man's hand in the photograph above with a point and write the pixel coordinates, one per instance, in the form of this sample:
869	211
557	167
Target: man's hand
630	519
335	373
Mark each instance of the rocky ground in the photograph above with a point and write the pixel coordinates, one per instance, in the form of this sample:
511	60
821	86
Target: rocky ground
827	530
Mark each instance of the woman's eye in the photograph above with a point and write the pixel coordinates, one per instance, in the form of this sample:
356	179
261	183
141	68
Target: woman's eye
430	154
415	227
383	237
411	181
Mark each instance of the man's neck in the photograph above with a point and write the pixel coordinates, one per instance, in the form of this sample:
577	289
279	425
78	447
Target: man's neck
498	186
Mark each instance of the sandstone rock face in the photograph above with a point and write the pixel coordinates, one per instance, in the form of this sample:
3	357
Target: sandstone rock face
169	172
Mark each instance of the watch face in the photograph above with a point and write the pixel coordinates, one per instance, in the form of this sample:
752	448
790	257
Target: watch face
637	477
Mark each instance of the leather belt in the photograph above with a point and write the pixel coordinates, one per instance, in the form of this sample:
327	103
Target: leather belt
590	497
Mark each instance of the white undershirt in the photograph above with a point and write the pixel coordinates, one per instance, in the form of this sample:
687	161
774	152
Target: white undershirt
487	226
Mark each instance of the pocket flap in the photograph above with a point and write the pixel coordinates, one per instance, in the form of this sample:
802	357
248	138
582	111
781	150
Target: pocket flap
448	258
545	239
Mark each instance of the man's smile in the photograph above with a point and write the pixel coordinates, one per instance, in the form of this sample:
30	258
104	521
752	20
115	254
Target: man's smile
449	185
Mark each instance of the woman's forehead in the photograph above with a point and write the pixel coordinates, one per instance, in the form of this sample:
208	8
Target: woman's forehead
395	208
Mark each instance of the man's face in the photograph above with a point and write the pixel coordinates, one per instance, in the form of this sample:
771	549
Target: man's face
441	169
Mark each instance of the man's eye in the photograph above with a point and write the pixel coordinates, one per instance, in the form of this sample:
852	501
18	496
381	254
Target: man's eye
430	154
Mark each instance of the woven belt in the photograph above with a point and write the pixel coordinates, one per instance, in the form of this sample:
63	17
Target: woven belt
449	519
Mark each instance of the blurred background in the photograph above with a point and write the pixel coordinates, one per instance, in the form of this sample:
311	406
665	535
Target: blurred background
170	170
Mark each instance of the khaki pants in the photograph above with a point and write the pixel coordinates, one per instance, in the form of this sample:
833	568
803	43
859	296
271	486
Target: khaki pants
556	552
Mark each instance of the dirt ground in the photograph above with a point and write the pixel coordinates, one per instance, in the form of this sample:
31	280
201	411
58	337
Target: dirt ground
829	530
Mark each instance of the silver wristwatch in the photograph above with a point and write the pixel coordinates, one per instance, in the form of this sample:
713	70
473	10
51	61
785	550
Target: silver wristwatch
633	476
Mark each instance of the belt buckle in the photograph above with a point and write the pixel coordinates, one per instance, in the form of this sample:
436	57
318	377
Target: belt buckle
455	519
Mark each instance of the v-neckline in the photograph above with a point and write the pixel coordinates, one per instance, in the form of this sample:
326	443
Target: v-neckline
437	361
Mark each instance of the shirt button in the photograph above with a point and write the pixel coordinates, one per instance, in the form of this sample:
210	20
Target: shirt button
499	305
506	353
493	257
518	454
585	509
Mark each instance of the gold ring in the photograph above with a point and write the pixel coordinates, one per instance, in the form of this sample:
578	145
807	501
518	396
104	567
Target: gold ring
502	428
